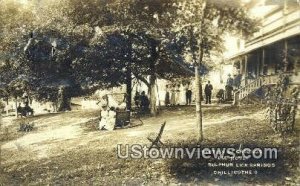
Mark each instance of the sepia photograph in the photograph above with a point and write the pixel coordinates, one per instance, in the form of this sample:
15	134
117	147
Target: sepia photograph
150	92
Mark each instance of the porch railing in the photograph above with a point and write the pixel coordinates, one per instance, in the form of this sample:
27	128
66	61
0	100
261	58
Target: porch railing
256	84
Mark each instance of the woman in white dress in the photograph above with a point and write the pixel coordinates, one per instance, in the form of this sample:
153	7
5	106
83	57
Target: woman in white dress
107	119
177	94
173	96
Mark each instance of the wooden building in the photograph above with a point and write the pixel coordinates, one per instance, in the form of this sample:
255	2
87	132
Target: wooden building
272	51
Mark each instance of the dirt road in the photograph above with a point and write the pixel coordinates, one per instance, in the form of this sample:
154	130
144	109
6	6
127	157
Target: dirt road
57	133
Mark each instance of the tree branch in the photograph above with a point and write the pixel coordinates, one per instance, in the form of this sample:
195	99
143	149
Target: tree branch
144	80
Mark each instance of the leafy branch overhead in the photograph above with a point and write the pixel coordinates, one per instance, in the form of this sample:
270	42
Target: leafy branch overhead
90	44
206	22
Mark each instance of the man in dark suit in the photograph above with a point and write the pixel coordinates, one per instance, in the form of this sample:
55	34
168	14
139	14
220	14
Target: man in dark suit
208	90
144	102
229	88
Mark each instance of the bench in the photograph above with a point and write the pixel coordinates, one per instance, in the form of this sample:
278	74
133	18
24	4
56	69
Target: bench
122	118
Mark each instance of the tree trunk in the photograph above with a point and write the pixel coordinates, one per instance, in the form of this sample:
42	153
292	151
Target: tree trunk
154	56
7	107
128	88
153	96
0	144
64	100
16	104
198	102
198	86
198	79
129	80
54	105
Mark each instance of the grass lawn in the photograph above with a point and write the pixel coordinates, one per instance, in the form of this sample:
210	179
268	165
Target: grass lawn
66	148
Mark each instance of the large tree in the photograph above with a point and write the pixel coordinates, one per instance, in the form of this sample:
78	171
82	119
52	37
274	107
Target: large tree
92	43
205	23
39	46
13	24
143	25
102	43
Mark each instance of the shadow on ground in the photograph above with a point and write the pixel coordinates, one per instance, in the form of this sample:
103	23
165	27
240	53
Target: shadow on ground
282	170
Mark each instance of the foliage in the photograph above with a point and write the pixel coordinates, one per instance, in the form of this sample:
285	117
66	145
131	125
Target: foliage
90	44
141	24
282	106
206	22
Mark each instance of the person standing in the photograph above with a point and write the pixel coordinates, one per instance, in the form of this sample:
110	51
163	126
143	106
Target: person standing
137	99
229	87
208	90
167	97
177	95
188	94
173	95
144	102
237	81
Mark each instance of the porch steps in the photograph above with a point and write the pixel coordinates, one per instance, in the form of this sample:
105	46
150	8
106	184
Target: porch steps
257	88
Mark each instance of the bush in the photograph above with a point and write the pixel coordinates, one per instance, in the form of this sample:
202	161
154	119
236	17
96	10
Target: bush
282	107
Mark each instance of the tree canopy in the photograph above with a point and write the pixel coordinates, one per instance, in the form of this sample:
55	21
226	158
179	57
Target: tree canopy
92	43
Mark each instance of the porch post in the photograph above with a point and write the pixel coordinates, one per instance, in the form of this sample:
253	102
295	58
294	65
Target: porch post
246	69
264	68
285	59
241	66
258	65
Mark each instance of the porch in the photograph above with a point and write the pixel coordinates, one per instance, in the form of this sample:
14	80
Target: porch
263	66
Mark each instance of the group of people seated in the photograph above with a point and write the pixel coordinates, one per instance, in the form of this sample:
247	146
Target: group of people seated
111	117
26	110
107	118
142	101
